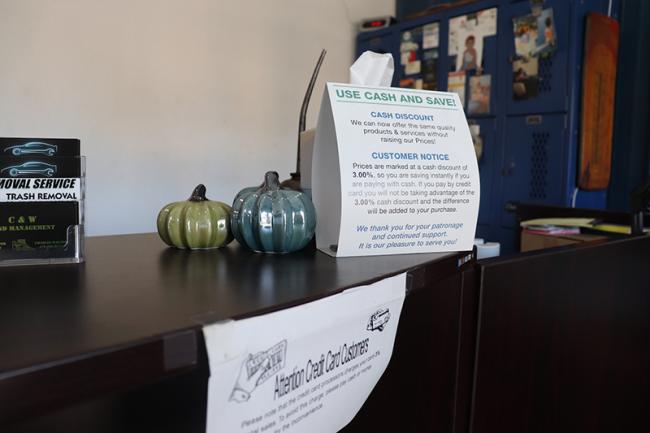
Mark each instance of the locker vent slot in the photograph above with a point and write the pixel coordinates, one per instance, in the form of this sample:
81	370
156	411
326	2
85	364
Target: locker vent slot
539	166
545	74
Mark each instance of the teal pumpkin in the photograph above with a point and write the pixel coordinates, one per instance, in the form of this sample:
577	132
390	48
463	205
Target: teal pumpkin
197	223
273	220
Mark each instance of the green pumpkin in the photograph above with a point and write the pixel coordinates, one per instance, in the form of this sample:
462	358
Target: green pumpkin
197	223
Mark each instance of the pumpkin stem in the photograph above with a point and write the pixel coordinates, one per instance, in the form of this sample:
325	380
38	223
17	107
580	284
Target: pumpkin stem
271	181
198	194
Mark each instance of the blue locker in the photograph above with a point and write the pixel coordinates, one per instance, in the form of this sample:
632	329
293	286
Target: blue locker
532	171
553	71
530	145
487	164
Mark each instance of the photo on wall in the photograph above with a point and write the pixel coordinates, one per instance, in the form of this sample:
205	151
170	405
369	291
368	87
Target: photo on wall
546	40
429	69
456	84
535	34
455	25
525	31
480	87
466	34
430	36
525	81
471	52
410	51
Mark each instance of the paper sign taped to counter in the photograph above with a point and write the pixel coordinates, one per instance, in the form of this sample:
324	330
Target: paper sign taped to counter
394	171
308	368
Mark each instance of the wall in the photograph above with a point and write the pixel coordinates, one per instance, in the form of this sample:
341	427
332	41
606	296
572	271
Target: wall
166	94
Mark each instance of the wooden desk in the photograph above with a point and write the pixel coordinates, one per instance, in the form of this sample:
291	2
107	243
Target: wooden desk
557	340
115	344
564	341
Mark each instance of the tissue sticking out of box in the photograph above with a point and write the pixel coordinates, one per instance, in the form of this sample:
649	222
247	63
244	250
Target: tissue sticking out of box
372	69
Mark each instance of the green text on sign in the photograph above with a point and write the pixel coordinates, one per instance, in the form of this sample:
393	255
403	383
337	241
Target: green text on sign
388	96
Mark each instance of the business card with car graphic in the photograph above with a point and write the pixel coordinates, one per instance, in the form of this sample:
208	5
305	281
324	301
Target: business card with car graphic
41	193
39	166
40	179
29	147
